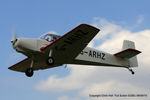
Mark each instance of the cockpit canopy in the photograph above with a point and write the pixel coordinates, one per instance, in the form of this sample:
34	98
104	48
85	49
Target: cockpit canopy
49	37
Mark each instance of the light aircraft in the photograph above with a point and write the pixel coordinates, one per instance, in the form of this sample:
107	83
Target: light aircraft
52	50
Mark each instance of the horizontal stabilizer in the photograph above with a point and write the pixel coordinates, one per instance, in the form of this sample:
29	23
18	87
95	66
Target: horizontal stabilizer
128	53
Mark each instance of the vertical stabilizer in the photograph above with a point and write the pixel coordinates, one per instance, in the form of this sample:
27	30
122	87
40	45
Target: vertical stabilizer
130	44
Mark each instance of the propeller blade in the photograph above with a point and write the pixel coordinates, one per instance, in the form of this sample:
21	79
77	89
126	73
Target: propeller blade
14	34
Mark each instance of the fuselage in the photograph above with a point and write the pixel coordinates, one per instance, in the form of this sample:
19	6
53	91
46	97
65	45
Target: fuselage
88	56
91	56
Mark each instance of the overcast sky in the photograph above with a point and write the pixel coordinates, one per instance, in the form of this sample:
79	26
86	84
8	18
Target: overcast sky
118	20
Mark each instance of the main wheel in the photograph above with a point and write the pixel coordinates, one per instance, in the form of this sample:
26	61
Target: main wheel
29	72
132	72
50	61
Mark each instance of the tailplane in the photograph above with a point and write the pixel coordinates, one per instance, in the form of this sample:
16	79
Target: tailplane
129	52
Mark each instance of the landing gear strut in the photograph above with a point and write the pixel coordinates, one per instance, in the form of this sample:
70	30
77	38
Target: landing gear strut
50	59
29	72
132	72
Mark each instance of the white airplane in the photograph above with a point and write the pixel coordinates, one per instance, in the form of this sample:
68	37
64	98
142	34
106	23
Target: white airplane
52	50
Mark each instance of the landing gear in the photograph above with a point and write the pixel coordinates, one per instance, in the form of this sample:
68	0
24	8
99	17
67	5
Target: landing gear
50	60
29	72
132	72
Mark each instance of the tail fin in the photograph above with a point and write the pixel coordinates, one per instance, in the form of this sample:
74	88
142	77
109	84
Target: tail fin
129	44
129	52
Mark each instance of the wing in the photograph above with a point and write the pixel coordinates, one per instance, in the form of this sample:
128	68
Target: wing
39	63
21	66
67	47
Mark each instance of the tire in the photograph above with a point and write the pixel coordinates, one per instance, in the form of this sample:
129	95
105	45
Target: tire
29	72
50	61
132	73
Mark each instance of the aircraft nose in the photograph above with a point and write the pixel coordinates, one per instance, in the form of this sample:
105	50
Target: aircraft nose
18	44
24	44
14	41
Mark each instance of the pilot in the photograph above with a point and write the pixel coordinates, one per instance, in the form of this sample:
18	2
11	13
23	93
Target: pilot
49	38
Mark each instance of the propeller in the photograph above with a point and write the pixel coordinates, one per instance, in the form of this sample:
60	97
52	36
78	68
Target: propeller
14	36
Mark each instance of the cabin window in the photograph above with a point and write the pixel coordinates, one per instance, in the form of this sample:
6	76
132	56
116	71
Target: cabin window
49	37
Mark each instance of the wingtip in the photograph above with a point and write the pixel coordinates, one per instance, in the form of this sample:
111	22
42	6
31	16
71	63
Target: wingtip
90	26
11	67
